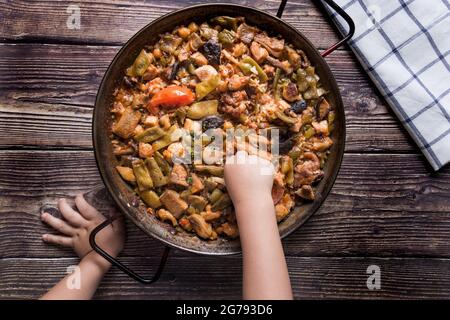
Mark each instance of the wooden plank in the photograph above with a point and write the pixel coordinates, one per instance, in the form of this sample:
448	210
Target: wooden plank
381	205
49	90
198	277
114	22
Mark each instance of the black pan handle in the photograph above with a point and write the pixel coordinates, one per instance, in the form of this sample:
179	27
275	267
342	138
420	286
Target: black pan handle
339	11
119	264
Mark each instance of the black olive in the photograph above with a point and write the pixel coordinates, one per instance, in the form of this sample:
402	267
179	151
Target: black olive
298	106
212	122
174	71
211	50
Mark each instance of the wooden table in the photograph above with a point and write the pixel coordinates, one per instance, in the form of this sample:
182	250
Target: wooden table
387	208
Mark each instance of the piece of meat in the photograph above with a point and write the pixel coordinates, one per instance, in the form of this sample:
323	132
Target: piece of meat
321	127
150	73
201	227
322	108
178	175
290	92
239	49
145	150
283	208
259	53
246	33
210	215
165	215
172	201
236	82
205	72
230	229
199	59
197	184
321	144
277	193
306	192
308	171
127	123
273	45
283	65
234	99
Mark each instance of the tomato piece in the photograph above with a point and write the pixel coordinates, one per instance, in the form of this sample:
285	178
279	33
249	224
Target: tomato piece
171	97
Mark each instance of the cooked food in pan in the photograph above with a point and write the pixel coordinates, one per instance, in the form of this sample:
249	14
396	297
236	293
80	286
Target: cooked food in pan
185	92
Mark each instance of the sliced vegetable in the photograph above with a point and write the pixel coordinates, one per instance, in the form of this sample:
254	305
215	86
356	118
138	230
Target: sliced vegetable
142	175
156	174
197	202
283	117
226	37
126	173
221	203
149	135
226	22
249	66
150	198
215	195
205	87
173	202
162	163
166	139
287	167
202	228
141	64
276	89
197	184
214	170
171	97
128	121
202	109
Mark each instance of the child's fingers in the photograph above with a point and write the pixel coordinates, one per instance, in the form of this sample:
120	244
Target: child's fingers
73	217
86	210
58	224
60	240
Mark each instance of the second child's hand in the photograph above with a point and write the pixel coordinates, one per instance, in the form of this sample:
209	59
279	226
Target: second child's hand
249	182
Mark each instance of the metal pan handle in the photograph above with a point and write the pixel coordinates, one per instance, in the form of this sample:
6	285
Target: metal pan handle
119	264
339	11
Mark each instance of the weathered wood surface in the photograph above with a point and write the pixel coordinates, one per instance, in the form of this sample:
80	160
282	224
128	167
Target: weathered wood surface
380	205
387	207
53	89
114	22
198	277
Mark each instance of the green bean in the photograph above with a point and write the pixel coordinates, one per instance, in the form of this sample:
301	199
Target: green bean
149	135
142	175
247	65
162	163
202	109
276	91
280	115
203	88
215	195
226	22
165	140
213	170
150	198
156	174
141	64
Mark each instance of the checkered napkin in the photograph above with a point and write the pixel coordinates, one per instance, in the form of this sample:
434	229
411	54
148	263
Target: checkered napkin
404	47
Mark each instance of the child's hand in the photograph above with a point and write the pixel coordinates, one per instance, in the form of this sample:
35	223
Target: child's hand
248	177
77	226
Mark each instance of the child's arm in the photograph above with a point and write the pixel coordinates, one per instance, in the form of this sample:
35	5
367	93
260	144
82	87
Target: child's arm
249	182
75	230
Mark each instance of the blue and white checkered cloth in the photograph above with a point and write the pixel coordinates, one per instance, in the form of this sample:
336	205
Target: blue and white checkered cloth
404	46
